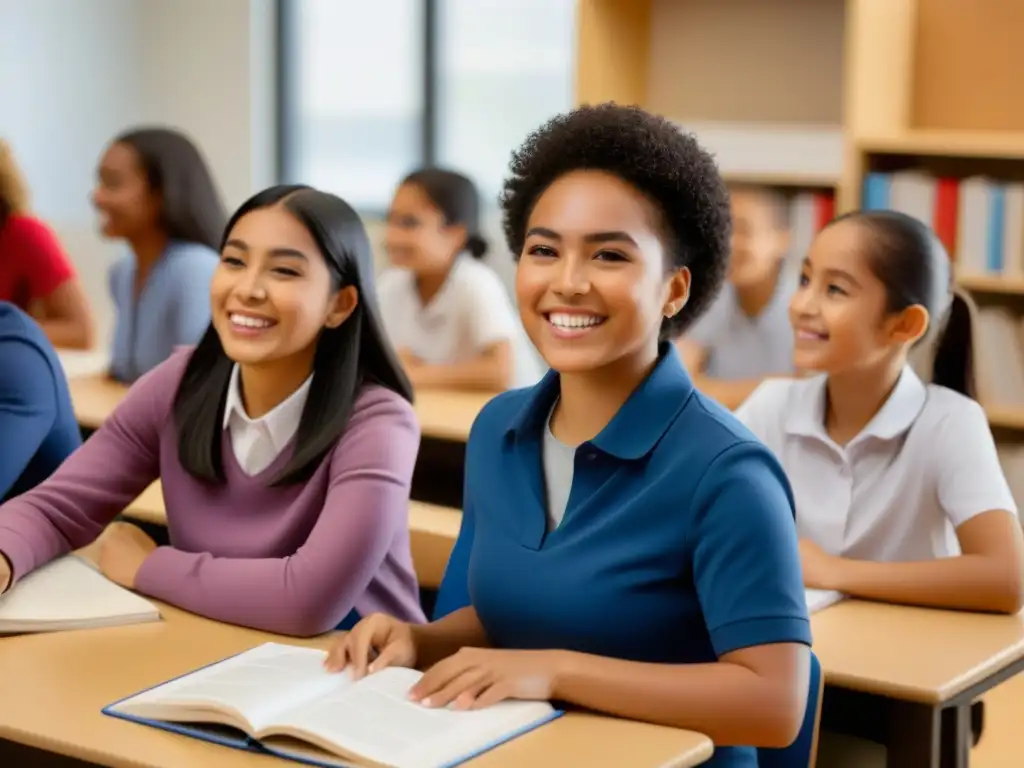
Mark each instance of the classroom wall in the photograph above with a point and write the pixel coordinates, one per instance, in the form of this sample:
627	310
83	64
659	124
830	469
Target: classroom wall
206	67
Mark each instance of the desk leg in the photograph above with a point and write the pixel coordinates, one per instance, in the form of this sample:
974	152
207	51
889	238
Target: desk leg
957	736
914	732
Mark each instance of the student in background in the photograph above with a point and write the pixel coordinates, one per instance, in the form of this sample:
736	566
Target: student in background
37	424
745	336
35	272
155	192
284	442
899	492
447	313
633	546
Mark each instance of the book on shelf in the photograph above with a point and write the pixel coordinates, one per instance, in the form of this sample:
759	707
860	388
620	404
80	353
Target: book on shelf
69	593
278	699
809	212
999	357
980	220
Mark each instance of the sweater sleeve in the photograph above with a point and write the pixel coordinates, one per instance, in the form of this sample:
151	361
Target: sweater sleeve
312	590
71	508
28	407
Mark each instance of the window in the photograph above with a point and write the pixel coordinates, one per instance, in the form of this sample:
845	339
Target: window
352	91
372	90
505	67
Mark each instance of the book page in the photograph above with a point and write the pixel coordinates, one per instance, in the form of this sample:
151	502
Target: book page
819	599
374	720
257	685
70	593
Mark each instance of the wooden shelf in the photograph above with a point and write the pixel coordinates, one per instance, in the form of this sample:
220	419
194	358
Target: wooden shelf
995	144
1005	418
992	284
794	180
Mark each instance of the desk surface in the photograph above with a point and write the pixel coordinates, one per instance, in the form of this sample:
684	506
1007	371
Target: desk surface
443	414
433	531
64	679
914	654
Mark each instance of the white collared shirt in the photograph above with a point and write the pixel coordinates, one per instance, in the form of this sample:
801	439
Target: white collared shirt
923	466
257	442
471	311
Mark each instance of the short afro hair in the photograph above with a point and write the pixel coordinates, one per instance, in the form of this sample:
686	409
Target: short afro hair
667	165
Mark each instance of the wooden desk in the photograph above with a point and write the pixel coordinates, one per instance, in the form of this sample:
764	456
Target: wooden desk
64	679
443	414
433	530
907	676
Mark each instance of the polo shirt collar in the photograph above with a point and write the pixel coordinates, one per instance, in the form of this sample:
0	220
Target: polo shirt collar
638	425
894	418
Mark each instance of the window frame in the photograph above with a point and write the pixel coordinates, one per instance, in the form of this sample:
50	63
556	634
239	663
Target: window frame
286	113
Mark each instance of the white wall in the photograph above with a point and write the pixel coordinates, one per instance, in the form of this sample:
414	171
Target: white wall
73	73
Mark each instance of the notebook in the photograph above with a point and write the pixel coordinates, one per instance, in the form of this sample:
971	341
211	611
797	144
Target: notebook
69	593
819	599
278	699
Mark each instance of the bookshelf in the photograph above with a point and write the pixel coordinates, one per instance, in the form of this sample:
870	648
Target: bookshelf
929	93
818	95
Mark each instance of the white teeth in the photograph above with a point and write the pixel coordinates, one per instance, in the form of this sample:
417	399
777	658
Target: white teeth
811	335
564	320
250	322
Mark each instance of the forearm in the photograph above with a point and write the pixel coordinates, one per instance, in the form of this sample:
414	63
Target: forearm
277	595
482	372
965	582
440	639
68	334
727	702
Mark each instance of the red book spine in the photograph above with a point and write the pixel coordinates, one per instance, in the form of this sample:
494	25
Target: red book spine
947	203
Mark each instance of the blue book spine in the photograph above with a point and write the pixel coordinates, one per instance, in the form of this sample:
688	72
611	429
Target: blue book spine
996	228
876	191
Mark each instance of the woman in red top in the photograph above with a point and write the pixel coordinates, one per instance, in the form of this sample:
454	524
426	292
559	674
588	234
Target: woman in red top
35	272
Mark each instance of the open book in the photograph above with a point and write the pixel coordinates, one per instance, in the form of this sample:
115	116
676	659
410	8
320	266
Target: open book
819	599
279	699
70	593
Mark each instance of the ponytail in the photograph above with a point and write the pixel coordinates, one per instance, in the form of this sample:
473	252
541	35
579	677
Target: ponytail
953	364
476	246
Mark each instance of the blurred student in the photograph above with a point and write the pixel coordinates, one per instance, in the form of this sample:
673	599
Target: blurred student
37	424
447	312
899	493
745	336
284	442
36	274
626	545
155	192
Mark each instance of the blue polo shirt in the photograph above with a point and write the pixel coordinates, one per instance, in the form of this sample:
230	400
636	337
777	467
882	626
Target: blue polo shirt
37	423
678	543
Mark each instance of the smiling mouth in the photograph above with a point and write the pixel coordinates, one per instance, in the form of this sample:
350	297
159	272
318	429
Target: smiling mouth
803	334
250	323
572	325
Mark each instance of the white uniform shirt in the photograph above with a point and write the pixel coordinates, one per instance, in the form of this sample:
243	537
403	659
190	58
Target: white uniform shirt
924	465
257	442
470	312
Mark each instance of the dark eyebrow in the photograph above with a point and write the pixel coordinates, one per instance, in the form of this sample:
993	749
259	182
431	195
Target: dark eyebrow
593	237
835	273
278	252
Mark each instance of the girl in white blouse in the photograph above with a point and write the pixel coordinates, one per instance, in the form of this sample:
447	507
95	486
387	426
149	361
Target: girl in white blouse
899	493
448	313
